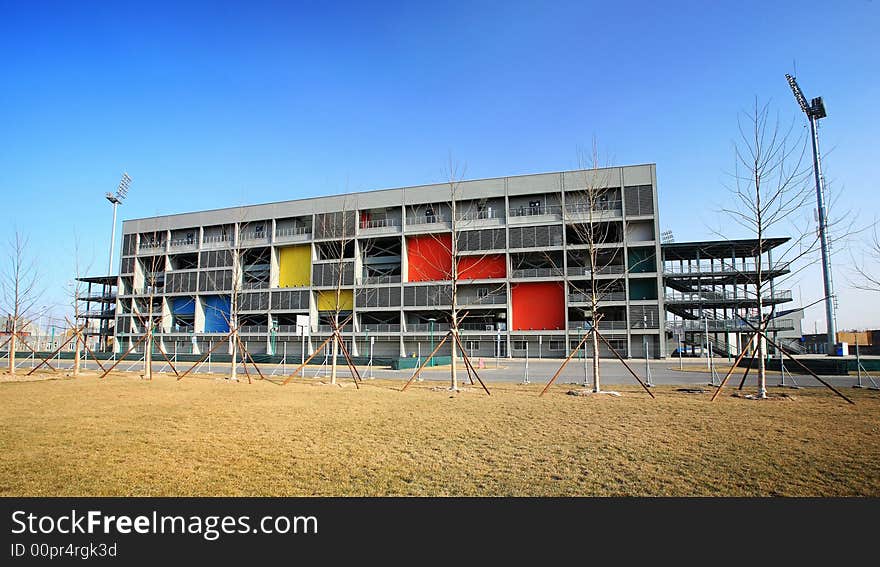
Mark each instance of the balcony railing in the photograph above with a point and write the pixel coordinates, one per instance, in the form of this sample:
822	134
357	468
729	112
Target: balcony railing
98	313
381	223
704	296
491	299
290	329
524	211
253	236
91	296
426	327
329	328
537	273
185	243
604	207
480	327
368	280
217	240
726	268
721	325
472	215
603	325
577	297
289	232
381	327
600	270
427	219
151	245
254	329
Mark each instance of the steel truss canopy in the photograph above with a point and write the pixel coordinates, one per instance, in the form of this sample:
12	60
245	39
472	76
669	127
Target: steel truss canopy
744	248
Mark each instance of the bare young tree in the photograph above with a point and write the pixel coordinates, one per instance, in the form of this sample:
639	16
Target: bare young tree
339	228
769	188
20	290
451	246
587	214
77	293
234	235
153	269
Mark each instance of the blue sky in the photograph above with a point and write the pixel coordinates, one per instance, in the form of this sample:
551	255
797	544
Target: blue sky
226	103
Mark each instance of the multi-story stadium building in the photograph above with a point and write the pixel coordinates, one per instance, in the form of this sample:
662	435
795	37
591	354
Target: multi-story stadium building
517	248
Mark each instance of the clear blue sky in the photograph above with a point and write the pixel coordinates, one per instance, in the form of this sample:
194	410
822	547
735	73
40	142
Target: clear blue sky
224	103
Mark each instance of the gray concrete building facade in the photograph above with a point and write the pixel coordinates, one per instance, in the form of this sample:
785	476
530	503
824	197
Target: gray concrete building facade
381	259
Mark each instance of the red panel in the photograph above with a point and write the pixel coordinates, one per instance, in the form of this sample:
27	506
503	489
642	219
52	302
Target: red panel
480	267
538	306
429	257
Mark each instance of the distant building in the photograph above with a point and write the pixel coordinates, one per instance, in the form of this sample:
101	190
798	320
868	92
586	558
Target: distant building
25	327
867	341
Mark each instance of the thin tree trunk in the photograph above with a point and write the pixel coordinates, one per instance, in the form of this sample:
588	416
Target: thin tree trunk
12	349
148	348
762	367
77	350
335	349
596	386
453	372
233	373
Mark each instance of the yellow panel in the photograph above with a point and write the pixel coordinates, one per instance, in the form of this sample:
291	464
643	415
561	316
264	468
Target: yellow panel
327	300
294	265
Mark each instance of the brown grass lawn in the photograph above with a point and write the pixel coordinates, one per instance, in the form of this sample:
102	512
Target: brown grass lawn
200	436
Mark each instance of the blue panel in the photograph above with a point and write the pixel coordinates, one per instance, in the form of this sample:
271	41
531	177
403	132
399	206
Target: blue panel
183	306
217	314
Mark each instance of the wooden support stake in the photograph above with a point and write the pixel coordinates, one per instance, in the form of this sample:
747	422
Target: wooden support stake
24	342
168	360
95	358
620	358
121	358
467	365
253	363
354	371
46	361
467	362
746	373
425	363
355	376
813	374
564	363
205	356
311	356
243	358
735	364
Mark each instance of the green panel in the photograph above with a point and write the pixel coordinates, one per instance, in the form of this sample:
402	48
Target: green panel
643	288
642	260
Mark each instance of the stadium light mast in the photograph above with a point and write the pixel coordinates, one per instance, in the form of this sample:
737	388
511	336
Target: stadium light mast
814	111
116	200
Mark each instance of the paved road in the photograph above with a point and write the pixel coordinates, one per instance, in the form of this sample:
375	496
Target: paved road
663	372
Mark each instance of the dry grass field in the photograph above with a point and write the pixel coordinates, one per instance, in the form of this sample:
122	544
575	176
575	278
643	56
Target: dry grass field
201	436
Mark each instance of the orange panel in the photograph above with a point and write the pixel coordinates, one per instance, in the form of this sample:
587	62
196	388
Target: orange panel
480	267
429	257
538	306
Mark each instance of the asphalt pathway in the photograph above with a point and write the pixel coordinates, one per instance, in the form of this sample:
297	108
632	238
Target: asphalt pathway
662	372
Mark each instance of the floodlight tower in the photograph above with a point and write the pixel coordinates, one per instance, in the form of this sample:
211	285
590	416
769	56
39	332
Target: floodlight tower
814	111
116	200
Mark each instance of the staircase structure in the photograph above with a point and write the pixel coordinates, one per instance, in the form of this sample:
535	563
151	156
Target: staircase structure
711	286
